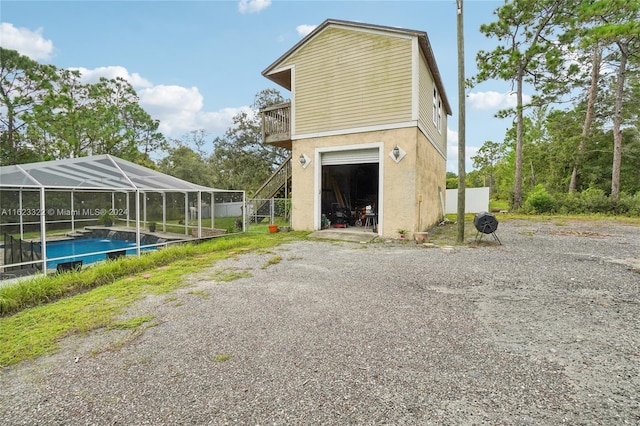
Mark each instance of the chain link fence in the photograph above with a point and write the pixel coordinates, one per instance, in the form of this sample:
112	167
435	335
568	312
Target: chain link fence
261	212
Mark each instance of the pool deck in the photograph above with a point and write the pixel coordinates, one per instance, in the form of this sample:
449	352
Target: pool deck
169	236
87	230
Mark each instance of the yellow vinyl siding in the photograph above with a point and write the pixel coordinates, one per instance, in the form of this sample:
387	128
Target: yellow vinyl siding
425	114
426	94
426	85
349	79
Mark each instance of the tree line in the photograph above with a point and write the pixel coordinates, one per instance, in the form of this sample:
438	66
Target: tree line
47	113
580	132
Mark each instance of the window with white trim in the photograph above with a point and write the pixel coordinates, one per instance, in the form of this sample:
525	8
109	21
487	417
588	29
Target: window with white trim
435	105
437	110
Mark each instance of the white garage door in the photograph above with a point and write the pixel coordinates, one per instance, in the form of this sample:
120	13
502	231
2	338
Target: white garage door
356	156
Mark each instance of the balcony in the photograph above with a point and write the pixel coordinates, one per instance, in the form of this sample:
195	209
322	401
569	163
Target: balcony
276	125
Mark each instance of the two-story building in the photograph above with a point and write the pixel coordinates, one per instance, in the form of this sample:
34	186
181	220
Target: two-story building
366	126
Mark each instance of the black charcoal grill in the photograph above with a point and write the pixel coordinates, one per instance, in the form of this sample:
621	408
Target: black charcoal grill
486	223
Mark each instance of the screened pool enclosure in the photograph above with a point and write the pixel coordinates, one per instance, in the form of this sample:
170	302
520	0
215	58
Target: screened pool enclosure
107	198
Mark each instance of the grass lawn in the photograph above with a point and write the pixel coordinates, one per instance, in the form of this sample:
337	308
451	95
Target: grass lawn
35	314
38	312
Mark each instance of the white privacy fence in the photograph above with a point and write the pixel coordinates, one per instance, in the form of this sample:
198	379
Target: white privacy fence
476	200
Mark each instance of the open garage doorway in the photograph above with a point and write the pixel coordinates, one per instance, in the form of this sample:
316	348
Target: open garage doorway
350	187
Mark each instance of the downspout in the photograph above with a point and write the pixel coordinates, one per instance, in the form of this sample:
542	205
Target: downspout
419	213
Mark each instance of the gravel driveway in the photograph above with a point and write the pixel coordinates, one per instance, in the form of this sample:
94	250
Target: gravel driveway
544	329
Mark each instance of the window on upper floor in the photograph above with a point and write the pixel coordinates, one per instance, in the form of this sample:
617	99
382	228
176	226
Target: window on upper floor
437	110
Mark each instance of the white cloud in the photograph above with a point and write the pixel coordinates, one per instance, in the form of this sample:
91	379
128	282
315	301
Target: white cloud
452	153
252	6
452	136
304	29
180	111
171	97
26	42
111	72
218	122
494	100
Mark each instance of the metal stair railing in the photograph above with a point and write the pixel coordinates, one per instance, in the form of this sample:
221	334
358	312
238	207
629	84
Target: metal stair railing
278	180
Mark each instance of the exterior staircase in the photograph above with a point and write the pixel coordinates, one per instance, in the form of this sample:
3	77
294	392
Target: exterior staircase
278	185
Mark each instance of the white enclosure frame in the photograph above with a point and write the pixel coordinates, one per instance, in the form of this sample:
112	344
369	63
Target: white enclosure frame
101	173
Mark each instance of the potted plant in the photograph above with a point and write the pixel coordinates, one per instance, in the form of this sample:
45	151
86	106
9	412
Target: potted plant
107	217
273	228
403	233
421	237
152	227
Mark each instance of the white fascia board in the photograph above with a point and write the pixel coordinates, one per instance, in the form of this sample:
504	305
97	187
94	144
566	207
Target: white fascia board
391	126
358	146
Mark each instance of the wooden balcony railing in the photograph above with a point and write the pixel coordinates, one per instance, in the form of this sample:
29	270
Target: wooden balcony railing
276	125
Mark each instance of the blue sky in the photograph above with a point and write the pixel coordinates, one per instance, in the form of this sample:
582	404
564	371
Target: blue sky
195	64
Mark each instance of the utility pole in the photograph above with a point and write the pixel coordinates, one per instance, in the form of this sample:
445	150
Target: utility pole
462	187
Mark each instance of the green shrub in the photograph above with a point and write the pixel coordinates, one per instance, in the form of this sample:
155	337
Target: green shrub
635	208
568	203
539	201
628	205
594	200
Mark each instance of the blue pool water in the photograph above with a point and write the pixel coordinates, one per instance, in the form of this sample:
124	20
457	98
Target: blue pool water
79	249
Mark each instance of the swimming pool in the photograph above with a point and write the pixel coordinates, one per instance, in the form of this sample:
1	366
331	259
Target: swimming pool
85	250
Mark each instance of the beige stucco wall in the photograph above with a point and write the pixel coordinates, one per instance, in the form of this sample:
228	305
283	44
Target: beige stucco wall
431	183
420	172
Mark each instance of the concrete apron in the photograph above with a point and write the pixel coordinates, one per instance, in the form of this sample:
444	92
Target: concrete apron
356	235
